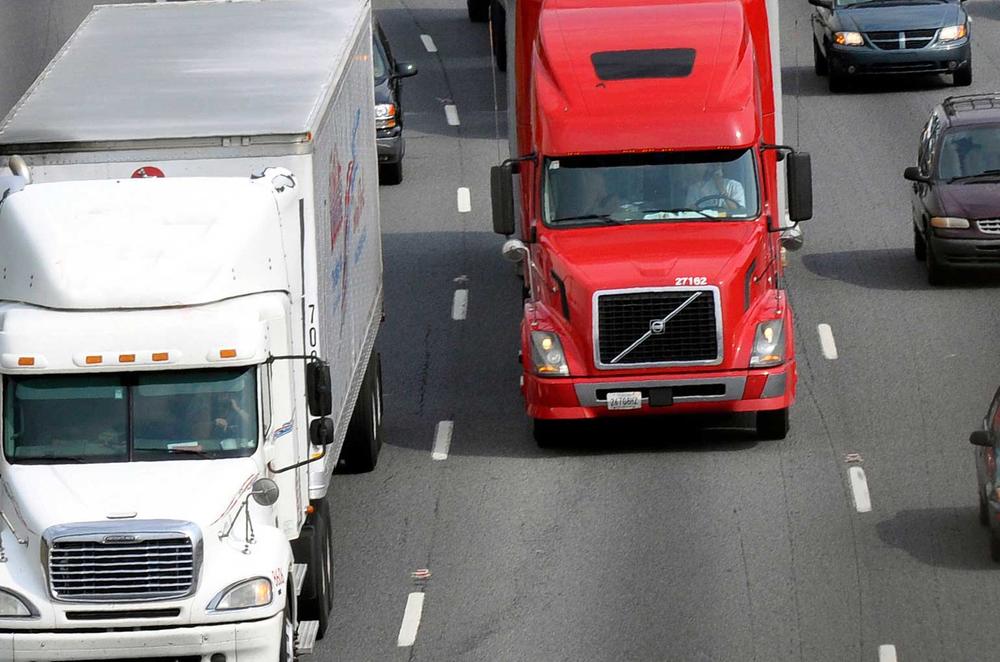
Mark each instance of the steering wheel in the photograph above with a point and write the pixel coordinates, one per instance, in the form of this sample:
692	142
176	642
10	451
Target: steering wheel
721	197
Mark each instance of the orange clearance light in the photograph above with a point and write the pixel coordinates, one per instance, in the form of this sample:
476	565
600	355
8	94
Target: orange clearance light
94	358
227	353
161	356
126	358
26	360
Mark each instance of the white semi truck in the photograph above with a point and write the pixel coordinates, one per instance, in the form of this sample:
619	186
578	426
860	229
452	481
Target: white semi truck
190	293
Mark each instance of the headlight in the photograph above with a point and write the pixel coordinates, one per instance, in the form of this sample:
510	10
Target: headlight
768	345
848	38
385	115
14	606
949	222
251	593
953	32
547	355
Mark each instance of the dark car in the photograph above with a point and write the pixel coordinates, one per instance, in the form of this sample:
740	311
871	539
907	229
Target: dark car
956	186
986	440
388	108
860	37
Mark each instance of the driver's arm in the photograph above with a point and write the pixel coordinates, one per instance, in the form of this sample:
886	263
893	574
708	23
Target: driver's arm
734	191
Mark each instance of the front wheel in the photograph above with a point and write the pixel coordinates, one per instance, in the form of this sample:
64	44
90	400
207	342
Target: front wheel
937	273
314	547
837	82
547	433
772	425
391	174
479	10
962	77
919	246
287	651
984	512
820	65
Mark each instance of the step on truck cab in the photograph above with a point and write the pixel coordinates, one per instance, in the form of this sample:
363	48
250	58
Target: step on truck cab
190	293
644	186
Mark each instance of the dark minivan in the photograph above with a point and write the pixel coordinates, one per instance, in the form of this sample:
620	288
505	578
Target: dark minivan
956	186
388	108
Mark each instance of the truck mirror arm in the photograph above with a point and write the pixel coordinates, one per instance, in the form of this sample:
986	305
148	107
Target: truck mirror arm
515	160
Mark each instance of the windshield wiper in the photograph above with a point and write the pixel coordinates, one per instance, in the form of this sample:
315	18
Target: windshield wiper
588	217
985	174
678	210
188	450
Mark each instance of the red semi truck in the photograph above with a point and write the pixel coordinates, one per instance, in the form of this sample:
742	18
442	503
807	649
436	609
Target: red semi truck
644	186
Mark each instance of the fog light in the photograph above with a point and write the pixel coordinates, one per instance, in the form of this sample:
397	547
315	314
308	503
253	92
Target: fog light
953	65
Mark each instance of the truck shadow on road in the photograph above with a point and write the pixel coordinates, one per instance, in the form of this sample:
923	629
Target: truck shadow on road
942	537
889	269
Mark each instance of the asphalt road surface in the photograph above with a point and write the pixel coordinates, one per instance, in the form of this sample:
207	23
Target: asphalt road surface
675	539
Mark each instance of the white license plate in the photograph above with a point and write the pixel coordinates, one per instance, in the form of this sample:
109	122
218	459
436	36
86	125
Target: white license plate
625	400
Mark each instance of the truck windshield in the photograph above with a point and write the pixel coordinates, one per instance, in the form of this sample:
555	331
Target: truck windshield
657	187
185	414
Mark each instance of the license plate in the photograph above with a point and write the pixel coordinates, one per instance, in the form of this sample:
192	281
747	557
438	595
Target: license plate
625	400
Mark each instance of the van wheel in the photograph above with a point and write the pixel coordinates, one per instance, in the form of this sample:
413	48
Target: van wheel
919	246
286	653
772	425
937	273
994	545
364	438
390	174
314	547
479	10
819	60
963	77
498	26
984	513
837	82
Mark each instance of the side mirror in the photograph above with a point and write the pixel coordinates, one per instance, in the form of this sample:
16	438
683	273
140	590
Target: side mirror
798	172
514	250
405	70
913	174
321	431
980	438
265	491
319	389
502	197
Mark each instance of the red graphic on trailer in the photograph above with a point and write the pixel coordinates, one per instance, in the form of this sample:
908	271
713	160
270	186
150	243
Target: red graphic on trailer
147	171
347	204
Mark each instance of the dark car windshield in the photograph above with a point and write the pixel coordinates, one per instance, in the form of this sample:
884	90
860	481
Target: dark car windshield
655	187
969	152
125	417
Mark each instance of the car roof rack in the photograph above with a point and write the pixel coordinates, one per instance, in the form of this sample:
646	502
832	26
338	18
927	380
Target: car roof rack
982	101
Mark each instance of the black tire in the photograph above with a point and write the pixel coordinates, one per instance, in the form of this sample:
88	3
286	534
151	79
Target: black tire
314	547
962	77
547	433
994	545
286	652
937	273
984	512
498	26
919	246
837	82
390	174
479	10
772	425
364	433
820	65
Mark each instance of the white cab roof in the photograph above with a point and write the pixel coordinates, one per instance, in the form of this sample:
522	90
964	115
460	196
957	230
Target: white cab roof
183	70
140	243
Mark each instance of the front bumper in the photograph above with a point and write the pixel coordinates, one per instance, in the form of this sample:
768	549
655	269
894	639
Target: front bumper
967	253
709	392
255	641
859	60
390	145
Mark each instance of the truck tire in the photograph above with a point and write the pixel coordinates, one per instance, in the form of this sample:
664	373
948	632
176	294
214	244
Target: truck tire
314	547
498	27
364	433
390	174
547	433
772	425
479	10
819	60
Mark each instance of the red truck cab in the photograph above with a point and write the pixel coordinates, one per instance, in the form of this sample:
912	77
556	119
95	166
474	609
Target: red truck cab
650	212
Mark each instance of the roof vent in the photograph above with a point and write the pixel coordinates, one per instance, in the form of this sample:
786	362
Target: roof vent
654	63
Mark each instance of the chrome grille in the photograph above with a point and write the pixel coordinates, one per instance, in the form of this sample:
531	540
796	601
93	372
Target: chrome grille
989	226
901	40
691	336
111	566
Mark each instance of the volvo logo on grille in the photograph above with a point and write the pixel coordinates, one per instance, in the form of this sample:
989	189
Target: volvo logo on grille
657	327
111	540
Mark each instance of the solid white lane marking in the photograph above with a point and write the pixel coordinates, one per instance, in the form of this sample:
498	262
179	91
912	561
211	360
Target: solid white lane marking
859	487
442	440
429	43
460	305
886	653
827	342
451	114
464	200
411	619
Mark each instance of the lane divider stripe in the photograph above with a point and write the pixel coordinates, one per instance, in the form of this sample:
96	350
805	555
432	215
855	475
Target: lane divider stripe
859	488
429	43
827	342
464	200
451	114
411	619
460	305
442	440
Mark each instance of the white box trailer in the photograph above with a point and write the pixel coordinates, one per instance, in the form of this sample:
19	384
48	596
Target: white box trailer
190	292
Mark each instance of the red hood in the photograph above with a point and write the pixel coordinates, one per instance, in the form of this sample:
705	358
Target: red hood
974	200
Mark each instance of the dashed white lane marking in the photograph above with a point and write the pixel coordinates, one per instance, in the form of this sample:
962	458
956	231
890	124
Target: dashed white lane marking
460	305
464	200
429	43
886	653
442	440
451	114
859	487
411	619
827	342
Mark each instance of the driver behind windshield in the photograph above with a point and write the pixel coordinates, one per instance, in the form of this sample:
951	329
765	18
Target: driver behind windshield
711	189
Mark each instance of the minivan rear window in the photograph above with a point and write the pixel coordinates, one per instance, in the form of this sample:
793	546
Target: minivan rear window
653	63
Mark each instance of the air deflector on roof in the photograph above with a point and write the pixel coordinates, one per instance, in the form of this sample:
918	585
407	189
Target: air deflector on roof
652	63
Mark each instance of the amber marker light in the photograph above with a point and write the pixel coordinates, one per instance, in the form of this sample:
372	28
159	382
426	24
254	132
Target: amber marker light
227	353
94	359
26	361
126	358
161	356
